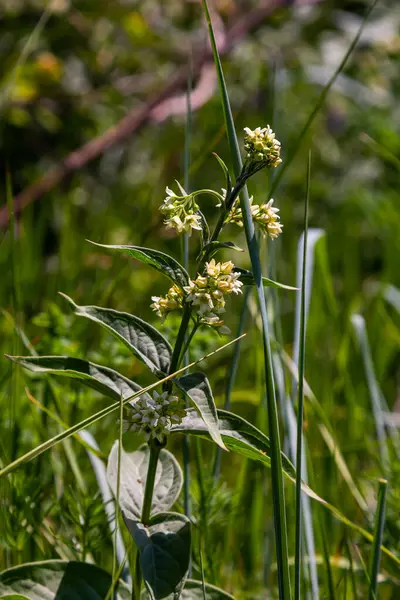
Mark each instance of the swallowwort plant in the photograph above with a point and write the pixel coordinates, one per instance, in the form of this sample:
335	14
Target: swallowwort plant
149	480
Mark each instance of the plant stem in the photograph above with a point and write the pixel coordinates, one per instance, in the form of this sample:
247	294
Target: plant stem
155	449
180	340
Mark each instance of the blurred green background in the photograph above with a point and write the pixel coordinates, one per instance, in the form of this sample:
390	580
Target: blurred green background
71	71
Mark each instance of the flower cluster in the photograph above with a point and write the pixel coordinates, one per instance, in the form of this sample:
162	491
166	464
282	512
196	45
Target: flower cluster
262	147
207	292
173	300
264	215
155	416
181	211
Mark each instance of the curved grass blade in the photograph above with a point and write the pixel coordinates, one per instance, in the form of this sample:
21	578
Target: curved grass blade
160	261
38	450
378	410
243	438
139	337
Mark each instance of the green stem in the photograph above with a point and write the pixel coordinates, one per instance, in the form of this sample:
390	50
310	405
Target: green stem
155	449
180	340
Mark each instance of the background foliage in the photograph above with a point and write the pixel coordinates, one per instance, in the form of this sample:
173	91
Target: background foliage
83	69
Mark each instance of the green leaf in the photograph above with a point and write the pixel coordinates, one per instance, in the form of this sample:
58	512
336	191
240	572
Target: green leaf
159	260
14	597
164	547
197	387
238	435
134	466
104	380
59	580
209	250
194	590
141	338
226	173
247	278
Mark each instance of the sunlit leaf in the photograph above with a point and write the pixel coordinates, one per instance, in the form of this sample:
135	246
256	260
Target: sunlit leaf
140	337
162	262
104	380
197	387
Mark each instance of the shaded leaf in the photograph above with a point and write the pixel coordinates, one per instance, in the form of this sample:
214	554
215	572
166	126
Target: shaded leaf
159	260
197	387
164	547
141	338
104	380
60	580
247	278
134	465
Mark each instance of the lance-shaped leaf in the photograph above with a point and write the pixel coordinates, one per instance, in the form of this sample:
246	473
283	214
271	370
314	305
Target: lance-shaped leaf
141	338
104	380
238	435
57	579
196	590
197	388
209	250
164	546
247	278
133	474
226	173
159	260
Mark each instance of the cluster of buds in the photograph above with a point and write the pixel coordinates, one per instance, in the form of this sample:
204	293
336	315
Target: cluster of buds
173	300
264	215
207	292
155	416
181	211
262	146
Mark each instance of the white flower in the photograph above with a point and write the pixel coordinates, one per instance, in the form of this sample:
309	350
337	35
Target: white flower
163	305
181	211
155	416
207	292
262	146
267	218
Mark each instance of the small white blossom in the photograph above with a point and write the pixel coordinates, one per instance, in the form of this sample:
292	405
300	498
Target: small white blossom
163	305
262	146
264	215
207	292
154	416
181	211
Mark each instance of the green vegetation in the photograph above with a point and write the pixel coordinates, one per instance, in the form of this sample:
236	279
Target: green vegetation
193	427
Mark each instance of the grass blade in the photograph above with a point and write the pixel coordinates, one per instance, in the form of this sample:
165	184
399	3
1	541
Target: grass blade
38	450
300	405
378	410
276	463
378	536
